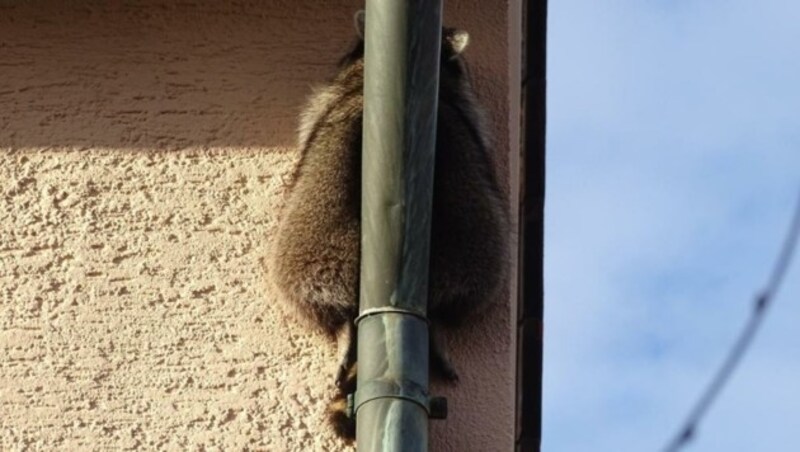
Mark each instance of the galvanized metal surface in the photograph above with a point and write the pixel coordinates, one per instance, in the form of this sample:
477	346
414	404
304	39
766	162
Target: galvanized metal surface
403	44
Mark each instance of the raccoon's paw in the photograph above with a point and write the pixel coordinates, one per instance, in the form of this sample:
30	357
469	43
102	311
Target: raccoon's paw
346	340
343	425
341	375
439	359
441	366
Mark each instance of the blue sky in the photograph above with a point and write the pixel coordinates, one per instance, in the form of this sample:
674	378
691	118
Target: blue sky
673	167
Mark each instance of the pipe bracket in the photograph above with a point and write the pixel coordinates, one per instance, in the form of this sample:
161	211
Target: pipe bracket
391	310
435	407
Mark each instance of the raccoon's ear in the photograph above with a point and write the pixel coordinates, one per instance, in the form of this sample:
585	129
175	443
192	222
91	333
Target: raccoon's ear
359	18
458	40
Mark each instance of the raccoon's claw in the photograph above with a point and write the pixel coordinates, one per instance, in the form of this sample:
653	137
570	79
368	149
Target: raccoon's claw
450	375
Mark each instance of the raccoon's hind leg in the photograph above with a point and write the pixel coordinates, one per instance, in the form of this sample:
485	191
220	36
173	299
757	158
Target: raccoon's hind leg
439	358
342	424
346	348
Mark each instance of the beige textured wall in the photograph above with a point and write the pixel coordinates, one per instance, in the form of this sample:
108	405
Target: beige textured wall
144	151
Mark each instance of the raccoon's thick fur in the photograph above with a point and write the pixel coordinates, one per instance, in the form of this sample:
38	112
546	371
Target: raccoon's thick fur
314	262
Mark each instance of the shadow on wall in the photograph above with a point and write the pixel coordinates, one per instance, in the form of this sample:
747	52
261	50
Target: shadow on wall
157	76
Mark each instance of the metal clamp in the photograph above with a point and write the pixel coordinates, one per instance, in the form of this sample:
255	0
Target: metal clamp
435	407
391	310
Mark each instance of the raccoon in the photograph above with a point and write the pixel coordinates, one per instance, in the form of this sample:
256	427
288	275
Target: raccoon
315	257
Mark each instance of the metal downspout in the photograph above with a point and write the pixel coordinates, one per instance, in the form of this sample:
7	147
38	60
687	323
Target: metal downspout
403	44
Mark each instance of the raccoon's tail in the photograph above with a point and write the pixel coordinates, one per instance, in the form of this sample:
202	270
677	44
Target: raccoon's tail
343	425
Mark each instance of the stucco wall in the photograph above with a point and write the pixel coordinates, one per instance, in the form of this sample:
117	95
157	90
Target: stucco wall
144	152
